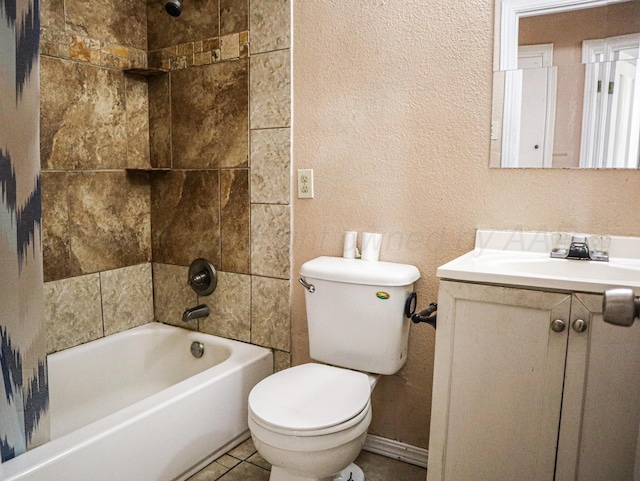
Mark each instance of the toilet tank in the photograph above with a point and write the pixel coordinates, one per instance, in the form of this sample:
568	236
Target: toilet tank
355	314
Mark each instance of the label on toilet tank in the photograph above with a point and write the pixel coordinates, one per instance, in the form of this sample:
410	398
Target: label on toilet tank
383	295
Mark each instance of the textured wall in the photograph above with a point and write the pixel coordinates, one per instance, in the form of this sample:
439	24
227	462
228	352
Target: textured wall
392	108
24	396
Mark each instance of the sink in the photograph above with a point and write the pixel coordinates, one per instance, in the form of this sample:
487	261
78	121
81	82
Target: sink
522	259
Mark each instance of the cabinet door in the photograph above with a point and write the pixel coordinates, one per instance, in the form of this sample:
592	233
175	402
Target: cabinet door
600	411
498	380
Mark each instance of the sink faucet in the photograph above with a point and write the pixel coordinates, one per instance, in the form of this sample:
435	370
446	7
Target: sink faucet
195	312
579	249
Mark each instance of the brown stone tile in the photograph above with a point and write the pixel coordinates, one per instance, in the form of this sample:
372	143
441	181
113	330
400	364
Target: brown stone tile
55	226
211	44
185	211
234	16
109	220
271	166
184	49
235	220
127	297
159	121
138	58
52	14
172	295
230	306
270	25
73	312
114	56
123	22
270	321
80	49
154	59
198	21
281	361
84	124
230	46
271	90
137	107
209	109
202	58
178	63
270	240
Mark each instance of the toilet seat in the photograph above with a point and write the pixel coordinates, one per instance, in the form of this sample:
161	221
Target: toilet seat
310	400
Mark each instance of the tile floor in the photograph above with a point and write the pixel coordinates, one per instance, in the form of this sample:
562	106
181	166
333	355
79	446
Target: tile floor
243	463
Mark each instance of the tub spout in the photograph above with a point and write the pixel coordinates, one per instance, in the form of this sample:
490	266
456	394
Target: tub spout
195	312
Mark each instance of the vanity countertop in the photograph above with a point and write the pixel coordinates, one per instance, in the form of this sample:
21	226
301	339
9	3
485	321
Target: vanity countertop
522	259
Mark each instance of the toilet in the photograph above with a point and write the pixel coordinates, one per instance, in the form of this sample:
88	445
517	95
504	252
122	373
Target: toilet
310	421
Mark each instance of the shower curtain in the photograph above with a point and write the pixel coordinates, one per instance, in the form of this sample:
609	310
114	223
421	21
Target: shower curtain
24	399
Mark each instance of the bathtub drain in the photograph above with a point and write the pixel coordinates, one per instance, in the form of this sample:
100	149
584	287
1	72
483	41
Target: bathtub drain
197	349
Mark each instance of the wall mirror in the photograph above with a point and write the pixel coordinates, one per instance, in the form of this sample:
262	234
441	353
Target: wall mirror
566	86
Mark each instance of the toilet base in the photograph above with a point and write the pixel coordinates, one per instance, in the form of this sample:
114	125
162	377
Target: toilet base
350	473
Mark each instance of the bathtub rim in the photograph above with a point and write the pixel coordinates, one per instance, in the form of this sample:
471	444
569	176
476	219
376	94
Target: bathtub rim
63	446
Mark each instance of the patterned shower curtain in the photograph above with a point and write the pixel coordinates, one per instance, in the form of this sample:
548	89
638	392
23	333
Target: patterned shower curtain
24	398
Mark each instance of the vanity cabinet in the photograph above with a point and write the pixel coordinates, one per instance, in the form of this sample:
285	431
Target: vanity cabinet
532	385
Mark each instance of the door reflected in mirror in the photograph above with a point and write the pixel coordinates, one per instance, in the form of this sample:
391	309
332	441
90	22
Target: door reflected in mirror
569	92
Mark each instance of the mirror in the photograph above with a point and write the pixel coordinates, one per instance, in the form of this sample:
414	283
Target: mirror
566	90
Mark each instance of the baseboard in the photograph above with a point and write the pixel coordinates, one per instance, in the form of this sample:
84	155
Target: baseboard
396	450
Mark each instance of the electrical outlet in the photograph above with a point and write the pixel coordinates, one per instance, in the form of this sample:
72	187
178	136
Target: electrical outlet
305	183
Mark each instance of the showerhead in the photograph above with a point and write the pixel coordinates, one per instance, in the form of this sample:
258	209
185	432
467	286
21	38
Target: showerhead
173	7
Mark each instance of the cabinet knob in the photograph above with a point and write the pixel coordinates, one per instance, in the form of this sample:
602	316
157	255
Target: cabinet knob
579	325
558	325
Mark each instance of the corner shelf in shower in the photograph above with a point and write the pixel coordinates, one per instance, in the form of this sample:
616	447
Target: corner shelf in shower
147	169
146	72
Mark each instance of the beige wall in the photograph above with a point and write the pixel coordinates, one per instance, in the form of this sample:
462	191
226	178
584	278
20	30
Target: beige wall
392	106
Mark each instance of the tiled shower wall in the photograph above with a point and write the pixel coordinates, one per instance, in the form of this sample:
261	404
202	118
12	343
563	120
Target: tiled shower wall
226	196
218	125
93	125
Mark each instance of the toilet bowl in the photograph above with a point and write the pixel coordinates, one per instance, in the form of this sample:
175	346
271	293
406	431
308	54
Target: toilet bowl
310	421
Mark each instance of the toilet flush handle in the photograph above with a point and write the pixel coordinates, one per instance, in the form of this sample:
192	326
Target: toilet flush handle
310	287
427	315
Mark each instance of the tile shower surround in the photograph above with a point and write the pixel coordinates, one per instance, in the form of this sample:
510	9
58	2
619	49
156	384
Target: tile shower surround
117	242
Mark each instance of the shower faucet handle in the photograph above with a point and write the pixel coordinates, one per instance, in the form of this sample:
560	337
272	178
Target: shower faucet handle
202	277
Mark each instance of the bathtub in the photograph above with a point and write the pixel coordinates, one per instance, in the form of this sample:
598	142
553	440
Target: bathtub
138	406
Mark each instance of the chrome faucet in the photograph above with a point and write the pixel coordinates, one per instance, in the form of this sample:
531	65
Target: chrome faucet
195	312
579	249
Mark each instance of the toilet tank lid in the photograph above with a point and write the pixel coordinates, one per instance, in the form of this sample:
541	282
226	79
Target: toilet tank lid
357	271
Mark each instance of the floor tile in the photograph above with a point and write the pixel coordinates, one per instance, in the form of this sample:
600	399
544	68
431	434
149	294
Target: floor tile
254	468
211	472
228	461
244	450
259	461
246	472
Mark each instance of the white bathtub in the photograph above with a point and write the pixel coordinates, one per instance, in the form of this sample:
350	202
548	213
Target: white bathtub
137	406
